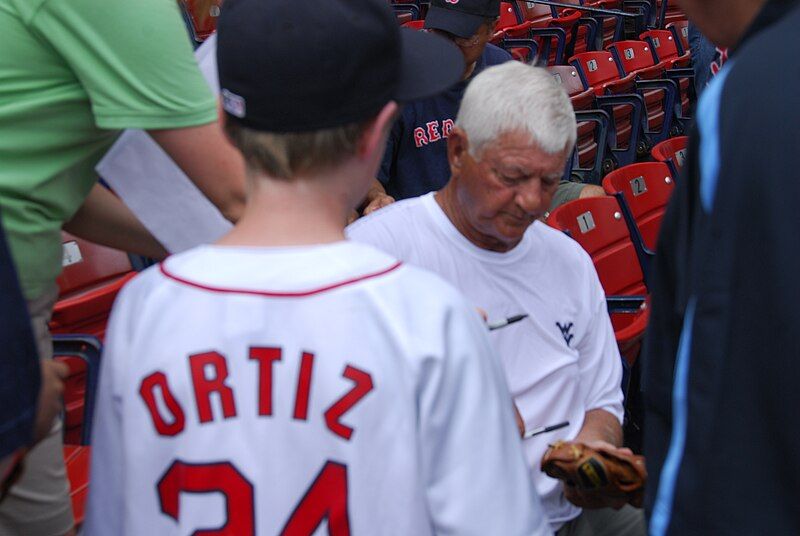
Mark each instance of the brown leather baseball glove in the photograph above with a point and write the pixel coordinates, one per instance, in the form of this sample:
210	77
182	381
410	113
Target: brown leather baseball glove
596	477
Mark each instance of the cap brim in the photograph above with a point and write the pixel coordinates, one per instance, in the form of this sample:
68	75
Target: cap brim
455	22
430	64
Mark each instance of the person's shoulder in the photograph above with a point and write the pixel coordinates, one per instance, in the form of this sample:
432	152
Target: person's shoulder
494	55
761	63
391	217
563	252
559	242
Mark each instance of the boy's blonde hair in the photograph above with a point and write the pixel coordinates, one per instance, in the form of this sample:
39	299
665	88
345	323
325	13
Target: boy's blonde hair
286	155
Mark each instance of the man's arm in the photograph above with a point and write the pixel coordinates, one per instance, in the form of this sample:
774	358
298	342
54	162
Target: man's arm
104	219
204	154
600	426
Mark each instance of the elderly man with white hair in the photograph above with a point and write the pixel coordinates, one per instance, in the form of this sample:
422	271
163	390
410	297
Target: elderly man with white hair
482	232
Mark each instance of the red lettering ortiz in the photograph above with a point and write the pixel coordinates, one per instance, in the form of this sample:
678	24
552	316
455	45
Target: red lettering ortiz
419	137
433	131
447	127
213	392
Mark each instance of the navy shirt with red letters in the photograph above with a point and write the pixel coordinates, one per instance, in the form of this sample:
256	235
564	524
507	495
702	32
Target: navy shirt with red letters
415	162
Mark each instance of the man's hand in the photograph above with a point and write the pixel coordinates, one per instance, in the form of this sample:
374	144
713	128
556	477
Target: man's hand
589	499
378	201
520	422
50	393
376	198
597	474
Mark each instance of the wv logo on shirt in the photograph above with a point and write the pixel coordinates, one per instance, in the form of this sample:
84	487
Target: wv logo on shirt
566	331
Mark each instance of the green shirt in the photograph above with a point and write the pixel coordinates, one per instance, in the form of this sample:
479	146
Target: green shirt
73	73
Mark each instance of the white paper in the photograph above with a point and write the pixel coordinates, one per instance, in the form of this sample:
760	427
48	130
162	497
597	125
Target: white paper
171	207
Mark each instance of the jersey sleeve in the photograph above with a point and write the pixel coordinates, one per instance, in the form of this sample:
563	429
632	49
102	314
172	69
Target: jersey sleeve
133	59
477	481
106	503
600	363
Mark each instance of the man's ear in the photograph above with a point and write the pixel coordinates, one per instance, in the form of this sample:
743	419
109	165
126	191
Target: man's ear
374	136
457	148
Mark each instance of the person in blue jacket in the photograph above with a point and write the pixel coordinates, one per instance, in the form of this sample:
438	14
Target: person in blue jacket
722	356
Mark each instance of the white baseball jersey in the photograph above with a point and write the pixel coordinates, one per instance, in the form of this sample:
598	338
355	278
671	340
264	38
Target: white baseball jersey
562	360
299	391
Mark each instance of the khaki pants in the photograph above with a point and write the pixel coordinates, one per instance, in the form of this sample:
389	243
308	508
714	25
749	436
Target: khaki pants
628	521
39	503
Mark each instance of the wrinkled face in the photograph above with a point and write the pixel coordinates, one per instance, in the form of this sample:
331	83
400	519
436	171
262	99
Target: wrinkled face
508	187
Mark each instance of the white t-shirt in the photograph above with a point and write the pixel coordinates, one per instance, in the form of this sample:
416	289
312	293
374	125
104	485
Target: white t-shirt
316	390
562	360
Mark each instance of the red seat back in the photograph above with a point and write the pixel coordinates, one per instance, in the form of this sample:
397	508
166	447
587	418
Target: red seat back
596	223
647	188
567	76
597	67
680	30
538	13
92	277
633	56
663	42
672	150
508	16
204	24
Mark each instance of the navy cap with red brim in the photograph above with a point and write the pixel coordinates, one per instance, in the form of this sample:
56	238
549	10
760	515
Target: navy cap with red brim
458	23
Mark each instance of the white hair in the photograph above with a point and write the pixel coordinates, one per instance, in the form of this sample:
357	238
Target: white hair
514	97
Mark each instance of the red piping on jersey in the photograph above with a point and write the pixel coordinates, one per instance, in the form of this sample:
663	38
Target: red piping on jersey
268	294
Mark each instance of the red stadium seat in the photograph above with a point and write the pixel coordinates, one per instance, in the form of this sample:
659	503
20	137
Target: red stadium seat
92	277
637	58
202	24
666	50
541	33
673	153
592	144
669	12
81	354
646	189
680	31
598	225
619	97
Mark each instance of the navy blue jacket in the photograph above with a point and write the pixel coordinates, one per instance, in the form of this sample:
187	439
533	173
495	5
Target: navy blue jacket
415	161
19	363
721	368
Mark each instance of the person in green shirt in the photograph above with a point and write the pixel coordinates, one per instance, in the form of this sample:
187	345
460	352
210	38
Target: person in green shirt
72	76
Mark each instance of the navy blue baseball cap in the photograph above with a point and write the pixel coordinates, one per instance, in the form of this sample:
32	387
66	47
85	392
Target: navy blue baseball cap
461	18
304	65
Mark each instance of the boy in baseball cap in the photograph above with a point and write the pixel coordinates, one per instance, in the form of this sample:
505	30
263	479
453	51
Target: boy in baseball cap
284	379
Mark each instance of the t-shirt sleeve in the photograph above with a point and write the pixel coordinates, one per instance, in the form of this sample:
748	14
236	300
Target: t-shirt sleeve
600	363
476	478
133	59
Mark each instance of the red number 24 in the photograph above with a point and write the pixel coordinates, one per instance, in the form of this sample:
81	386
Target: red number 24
325	498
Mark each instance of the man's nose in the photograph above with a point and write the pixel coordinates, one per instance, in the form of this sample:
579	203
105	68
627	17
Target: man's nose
530	197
